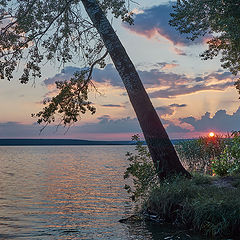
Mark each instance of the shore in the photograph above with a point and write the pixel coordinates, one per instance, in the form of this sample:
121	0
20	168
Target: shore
205	204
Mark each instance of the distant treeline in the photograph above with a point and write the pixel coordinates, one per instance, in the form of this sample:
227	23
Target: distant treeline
57	142
62	142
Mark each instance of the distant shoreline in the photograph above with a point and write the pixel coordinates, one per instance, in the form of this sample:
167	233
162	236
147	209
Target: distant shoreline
57	142
64	142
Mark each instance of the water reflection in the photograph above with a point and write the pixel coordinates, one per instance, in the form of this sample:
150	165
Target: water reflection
66	193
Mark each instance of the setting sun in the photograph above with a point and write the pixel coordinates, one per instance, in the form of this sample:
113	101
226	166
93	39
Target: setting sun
211	134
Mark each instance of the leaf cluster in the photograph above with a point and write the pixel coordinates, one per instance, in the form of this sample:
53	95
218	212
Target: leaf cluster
38	31
218	20
69	103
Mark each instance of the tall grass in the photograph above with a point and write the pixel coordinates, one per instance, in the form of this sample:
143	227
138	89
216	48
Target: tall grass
197	204
218	155
197	154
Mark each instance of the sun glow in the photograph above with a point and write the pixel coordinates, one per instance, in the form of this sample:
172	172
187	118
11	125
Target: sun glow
211	134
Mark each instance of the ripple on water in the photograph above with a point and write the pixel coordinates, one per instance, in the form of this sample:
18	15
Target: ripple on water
64	193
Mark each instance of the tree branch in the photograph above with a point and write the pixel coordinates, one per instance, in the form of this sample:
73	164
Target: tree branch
92	66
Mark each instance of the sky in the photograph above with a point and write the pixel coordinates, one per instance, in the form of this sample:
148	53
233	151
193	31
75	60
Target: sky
192	97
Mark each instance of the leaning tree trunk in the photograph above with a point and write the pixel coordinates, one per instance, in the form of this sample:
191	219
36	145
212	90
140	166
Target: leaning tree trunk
161	149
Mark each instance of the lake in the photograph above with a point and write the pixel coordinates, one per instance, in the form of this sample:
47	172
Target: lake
68	192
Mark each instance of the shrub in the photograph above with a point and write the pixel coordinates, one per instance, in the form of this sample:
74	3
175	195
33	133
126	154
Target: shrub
221	165
228	163
197	154
142	171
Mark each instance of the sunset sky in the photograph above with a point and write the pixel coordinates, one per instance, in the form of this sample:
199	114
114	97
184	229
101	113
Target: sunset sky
191	96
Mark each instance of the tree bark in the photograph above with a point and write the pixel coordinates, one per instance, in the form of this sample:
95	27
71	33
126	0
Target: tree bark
161	149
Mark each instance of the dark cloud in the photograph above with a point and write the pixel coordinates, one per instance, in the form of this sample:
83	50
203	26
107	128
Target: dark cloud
157	77
221	121
112	105
172	128
104	117
168	110
178	105
108	125
184	86
15	129
199	79
155	20
164	110
160	64
105	125
165	65
219	75
109	73
174	84
65	74
19	130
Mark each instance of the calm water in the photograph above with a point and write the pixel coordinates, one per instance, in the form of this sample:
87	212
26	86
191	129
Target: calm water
67	193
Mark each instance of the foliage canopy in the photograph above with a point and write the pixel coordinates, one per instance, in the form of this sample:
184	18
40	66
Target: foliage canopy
37	31
219	20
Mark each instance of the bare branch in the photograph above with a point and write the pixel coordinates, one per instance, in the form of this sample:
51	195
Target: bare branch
92	66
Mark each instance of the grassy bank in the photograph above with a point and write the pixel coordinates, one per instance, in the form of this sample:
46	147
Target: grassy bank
209	205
